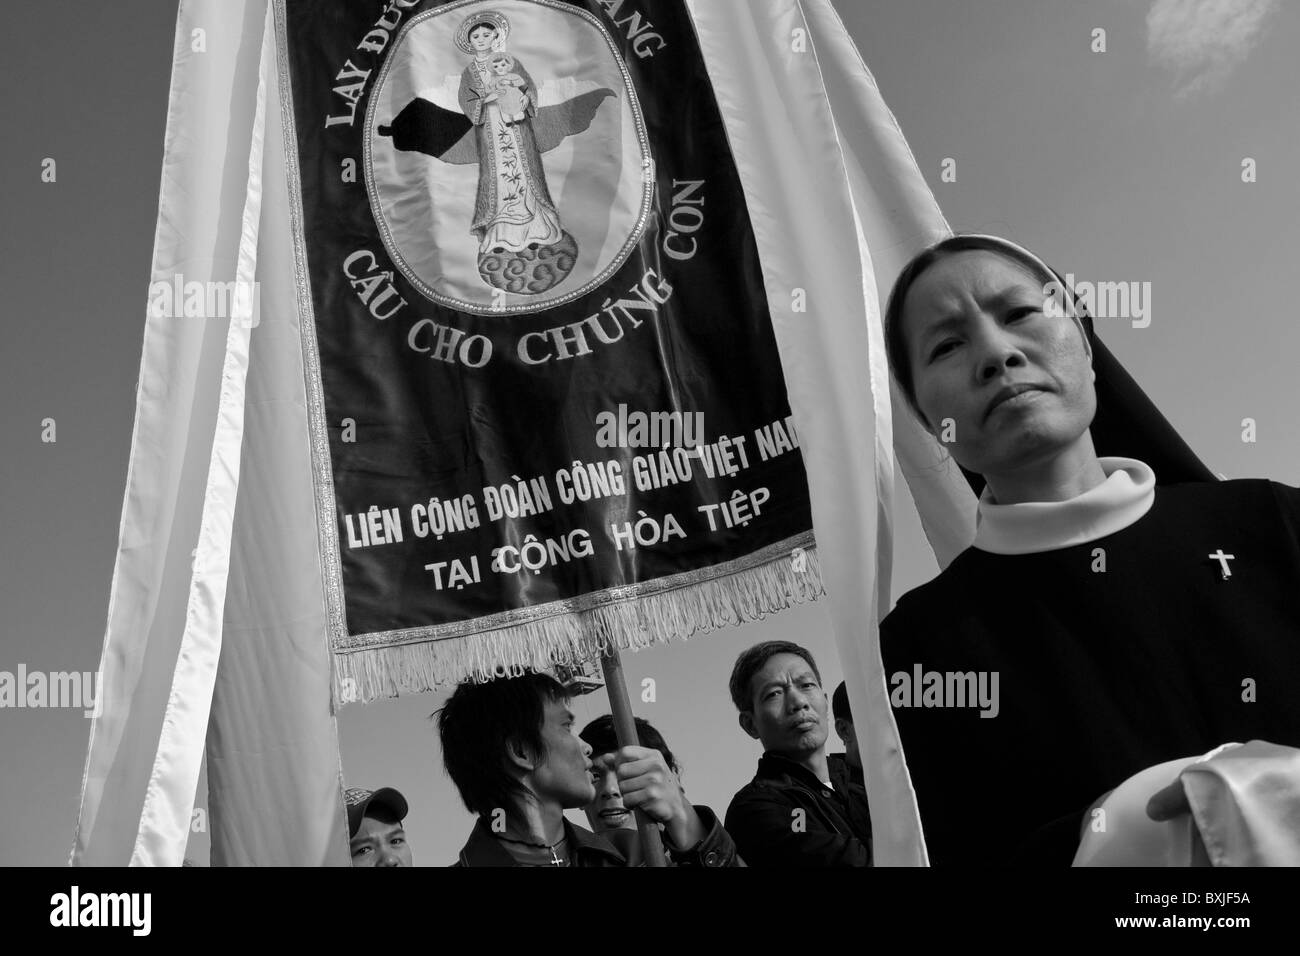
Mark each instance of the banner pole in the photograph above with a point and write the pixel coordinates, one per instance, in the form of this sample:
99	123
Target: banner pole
625	732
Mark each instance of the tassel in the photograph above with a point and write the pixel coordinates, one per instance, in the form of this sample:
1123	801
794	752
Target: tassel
369	673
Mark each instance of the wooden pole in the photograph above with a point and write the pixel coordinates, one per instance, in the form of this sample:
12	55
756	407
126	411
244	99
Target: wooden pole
625	732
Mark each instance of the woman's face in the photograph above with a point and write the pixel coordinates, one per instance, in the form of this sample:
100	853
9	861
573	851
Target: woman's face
976	331
481	37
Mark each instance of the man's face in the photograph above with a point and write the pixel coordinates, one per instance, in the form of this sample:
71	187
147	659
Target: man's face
380	842
789	707
607	812
563	773
975	324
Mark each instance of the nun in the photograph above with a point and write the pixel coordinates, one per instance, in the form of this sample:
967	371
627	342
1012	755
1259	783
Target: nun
1123	606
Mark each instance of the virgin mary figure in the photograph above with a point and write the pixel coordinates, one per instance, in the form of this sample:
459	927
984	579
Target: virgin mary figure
513	209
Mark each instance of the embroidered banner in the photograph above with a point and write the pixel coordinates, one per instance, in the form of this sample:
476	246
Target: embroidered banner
547	408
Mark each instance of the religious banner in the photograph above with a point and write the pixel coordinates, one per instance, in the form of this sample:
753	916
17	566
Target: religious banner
547	409
476	281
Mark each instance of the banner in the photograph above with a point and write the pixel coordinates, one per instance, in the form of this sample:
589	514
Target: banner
779	197
547	405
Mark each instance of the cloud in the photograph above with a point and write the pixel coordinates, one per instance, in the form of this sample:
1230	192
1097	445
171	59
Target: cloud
1203	41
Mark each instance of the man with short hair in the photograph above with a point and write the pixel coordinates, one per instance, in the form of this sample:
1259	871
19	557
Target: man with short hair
607	811
375	833
800	809
510	748
844	728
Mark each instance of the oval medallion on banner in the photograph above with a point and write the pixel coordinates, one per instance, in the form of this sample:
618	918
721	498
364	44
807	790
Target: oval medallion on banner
506	155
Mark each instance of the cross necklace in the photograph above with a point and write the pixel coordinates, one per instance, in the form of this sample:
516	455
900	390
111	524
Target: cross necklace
555	860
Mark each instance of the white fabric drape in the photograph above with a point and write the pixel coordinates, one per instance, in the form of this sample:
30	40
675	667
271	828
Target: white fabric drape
274	776
198	580
211	109
821	161
169	798
1243	809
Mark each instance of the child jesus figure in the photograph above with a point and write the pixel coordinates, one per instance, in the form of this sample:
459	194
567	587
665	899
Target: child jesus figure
509	88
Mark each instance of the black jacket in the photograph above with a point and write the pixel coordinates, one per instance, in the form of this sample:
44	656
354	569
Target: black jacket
614	848
855	773
833	830
1101	675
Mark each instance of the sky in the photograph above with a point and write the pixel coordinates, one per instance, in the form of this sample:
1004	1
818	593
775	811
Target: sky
1123	164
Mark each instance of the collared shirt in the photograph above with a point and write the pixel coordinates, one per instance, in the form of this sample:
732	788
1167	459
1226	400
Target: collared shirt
785	816
1030	527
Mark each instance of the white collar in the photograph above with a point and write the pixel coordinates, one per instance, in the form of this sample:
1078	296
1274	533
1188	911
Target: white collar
1125	496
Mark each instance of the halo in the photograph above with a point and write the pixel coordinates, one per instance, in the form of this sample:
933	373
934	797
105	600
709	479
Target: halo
497	20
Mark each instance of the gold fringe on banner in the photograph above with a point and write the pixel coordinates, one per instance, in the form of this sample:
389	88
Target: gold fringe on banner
630	623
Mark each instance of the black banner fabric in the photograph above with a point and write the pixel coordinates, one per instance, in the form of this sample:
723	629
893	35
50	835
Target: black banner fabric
547	375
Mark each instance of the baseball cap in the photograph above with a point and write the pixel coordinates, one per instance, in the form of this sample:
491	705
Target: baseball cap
359	800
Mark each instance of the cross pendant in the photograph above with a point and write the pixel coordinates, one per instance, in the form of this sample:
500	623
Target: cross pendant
1223	560
555	858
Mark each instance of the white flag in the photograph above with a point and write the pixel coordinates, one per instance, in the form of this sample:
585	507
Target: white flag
839	206
197	582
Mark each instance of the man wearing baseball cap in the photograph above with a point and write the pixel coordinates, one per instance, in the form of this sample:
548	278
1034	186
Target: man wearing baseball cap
375	827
